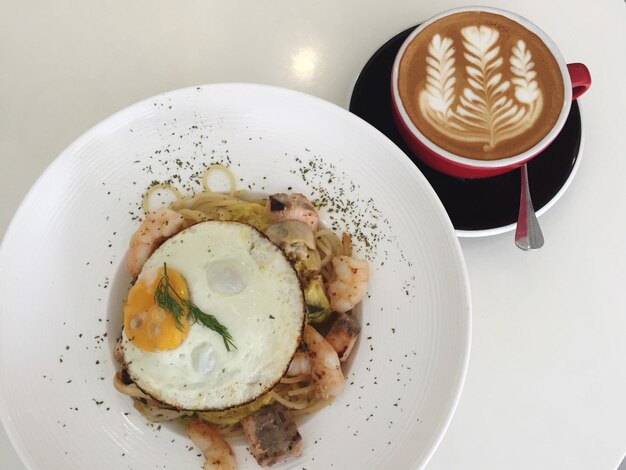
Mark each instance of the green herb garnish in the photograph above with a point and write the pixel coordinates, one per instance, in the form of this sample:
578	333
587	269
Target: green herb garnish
168	299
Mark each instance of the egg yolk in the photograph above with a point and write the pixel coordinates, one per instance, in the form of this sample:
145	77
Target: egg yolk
148	326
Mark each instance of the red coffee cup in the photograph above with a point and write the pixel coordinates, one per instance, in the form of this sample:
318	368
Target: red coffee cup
576	80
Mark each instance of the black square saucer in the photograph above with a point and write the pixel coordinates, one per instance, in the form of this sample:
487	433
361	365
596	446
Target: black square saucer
476	206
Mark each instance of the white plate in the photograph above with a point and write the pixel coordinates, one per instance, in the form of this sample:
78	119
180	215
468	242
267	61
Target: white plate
62	281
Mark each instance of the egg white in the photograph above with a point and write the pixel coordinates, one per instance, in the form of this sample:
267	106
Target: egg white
236	274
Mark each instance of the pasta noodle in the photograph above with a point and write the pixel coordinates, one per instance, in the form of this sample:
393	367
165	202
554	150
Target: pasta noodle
298	394
223	169
145	202
209	205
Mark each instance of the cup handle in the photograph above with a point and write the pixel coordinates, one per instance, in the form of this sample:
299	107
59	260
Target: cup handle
581	79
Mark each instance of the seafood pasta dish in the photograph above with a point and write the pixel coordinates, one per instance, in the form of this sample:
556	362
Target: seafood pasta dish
239	318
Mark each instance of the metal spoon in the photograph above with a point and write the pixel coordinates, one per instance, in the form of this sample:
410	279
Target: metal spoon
528	234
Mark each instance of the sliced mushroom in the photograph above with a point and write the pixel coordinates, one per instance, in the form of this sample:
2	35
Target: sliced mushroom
125	385
156	414
291	232
118	353
296	239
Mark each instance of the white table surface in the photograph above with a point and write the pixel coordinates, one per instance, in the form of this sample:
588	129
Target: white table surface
546	386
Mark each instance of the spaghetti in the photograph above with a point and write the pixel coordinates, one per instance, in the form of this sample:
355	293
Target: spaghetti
299	392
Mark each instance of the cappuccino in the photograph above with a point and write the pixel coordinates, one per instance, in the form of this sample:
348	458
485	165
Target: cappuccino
480	85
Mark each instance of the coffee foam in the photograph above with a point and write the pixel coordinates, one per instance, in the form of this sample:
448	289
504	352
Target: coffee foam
480	85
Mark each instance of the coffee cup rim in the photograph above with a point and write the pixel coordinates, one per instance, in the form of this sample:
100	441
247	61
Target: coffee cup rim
501	162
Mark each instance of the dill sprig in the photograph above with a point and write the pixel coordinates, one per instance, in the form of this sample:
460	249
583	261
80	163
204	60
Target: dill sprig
168	299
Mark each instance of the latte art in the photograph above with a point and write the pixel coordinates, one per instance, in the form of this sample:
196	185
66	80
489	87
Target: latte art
480	85
481	111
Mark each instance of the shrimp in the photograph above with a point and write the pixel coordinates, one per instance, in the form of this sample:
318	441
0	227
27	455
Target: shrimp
342	335
292	207
348	285
325	365
219	455
300	365
154	230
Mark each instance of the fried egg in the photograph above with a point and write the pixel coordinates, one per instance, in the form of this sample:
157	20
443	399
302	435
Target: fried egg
233	272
